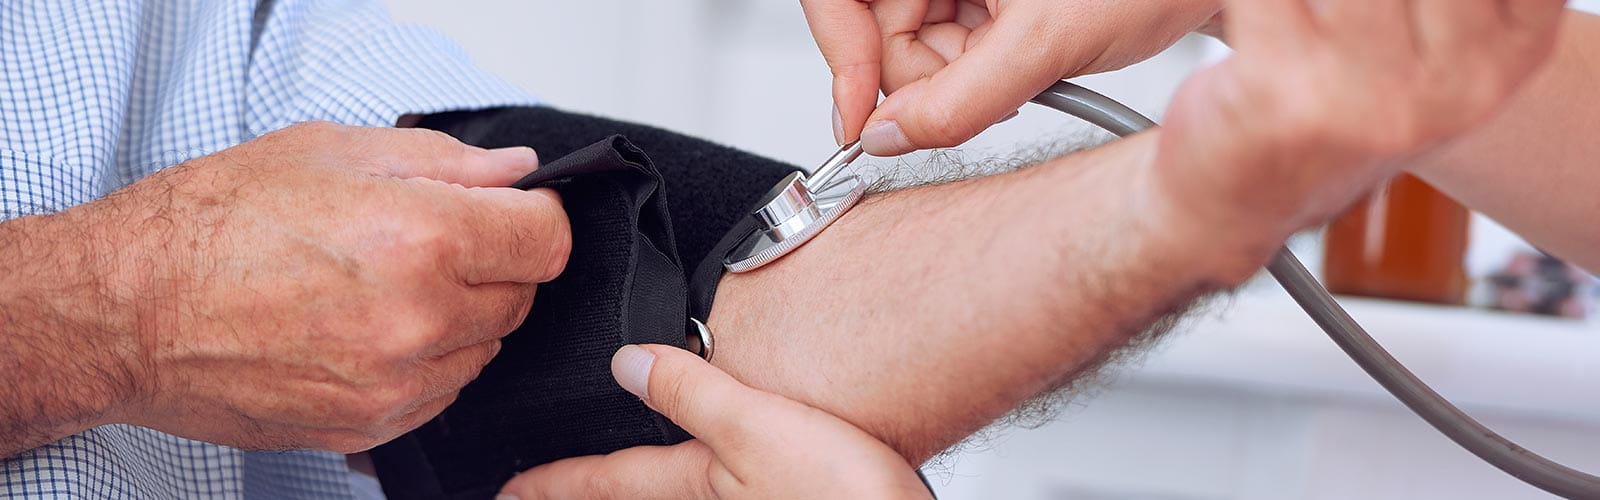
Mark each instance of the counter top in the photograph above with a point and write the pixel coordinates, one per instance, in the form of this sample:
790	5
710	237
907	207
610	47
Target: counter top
1260	340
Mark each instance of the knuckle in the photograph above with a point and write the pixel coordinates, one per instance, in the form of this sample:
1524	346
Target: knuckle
419	248
433	136
410	334
297	135
424	329
486	354
399	345
942	126
556	255
1298	122
552	235
854	70
320	134
459	374
516	310
438	146
427	241
314	128
360	412
350	442
676	392
386	401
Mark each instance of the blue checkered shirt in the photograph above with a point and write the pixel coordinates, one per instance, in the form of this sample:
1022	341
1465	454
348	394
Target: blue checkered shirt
96	94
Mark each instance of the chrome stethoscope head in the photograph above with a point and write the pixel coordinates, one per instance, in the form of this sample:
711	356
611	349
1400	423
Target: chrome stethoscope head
797	209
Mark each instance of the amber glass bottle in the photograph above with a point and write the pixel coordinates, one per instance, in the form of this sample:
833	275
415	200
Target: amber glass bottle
1405	241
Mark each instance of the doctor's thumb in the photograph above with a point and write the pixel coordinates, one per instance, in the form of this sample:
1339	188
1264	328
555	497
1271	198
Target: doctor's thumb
699	397
916	117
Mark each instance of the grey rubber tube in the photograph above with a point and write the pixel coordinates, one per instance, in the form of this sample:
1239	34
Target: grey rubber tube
1090	106
1493	448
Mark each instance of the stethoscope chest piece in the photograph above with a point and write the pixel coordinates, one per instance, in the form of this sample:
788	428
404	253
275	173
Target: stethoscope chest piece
797	209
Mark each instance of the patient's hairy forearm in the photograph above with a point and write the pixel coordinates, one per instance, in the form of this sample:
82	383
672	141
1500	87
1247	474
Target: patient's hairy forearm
62	373
926	313
1533	167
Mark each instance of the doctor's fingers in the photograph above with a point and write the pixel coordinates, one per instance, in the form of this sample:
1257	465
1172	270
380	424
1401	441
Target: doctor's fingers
950	81
681	471
750	444
1433	29
1483	27
920	37
1458	60
847	33
735	420
1481	52
1389	29
766	445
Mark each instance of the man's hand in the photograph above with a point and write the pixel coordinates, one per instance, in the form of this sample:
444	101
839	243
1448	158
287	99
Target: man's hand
751	444
1324	99
952	68
322	286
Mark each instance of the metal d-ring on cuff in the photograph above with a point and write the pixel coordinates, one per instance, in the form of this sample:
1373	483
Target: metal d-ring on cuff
700	343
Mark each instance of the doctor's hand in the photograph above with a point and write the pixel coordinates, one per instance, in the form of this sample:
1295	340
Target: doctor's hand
952	68
751	444
1323	99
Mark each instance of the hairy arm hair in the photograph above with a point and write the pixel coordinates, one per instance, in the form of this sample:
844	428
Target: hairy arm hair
64	346
929	312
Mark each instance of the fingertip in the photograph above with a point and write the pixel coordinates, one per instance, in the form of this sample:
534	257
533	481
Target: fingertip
885	138
855	96
520	486
852	114
518	160
560	479
631	366
884	131
838	126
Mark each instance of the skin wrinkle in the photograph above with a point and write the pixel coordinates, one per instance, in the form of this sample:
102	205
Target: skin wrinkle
211	300
57	400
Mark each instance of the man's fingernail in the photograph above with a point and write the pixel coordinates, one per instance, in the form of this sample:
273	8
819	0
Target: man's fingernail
838	126
521	158
631	367
884	138
504	496
1008	116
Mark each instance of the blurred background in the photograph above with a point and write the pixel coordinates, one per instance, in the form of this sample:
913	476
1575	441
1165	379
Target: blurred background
1247	400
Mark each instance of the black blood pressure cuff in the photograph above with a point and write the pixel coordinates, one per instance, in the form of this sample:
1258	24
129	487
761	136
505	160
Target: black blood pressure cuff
647	207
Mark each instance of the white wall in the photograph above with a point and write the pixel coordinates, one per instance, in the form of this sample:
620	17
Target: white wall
739	72
745	73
